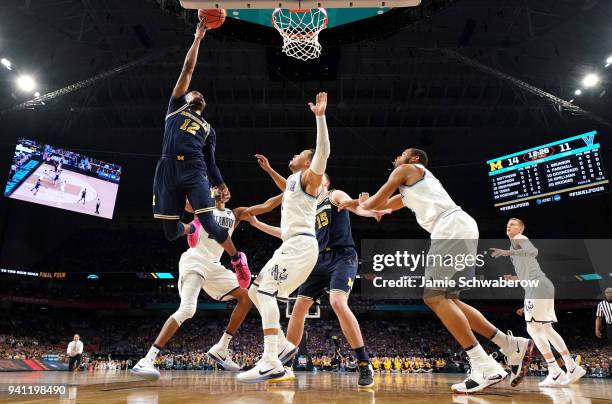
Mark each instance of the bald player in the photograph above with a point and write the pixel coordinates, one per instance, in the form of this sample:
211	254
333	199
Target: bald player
453	232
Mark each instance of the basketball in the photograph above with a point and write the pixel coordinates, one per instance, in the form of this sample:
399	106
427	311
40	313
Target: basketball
213	18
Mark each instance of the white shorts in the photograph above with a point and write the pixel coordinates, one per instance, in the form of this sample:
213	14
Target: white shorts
217	281
455	234
537	308
289	267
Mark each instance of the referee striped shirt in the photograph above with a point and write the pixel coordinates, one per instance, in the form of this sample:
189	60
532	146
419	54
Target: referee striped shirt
604	310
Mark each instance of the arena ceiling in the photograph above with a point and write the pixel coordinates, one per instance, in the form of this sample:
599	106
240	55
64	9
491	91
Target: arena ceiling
394	81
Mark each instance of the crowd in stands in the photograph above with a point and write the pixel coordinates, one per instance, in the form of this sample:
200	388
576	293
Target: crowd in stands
395	346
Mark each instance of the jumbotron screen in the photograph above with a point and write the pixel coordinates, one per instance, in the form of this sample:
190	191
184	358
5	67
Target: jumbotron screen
564	169
48	175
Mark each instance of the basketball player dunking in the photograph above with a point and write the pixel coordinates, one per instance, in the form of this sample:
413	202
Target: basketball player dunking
200	268
336	269
436	212
539	308
294	260
188	165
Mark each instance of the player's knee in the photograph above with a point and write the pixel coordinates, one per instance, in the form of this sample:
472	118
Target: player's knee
433	301
252	293
218	233
338	302
184	313
534	328
173	229
301	307
242	297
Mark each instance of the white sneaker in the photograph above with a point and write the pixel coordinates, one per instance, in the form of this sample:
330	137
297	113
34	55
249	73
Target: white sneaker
482	375
287	377
286	353
519	359
265	369
572	376
222	356
553	381
145	369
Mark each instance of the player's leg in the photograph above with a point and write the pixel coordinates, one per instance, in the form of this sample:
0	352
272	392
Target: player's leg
310	291
203	204
269	366
295	329
555	374
343	272
291	264
190	285
518	350
169	201
220	351
573	371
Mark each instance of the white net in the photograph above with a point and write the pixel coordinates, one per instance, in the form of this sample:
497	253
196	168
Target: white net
300	31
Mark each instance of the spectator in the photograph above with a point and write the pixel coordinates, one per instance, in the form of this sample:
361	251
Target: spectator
75	352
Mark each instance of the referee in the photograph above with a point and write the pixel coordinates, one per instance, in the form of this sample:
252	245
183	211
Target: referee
75	352
604	313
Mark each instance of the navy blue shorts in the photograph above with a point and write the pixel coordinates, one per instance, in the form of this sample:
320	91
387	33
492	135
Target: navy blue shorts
335	270
176	180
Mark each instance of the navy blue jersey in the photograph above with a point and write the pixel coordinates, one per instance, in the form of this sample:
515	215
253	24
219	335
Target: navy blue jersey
333	227
187	136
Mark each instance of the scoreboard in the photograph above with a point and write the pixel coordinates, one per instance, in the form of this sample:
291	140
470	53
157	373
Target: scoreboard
567	168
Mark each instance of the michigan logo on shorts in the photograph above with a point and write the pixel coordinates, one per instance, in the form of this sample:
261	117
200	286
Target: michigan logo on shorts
279	275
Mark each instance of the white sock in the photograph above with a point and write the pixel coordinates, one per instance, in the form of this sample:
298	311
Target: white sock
152	354
570	364
477	354
225	340
282	340
553	368
504	341
270	347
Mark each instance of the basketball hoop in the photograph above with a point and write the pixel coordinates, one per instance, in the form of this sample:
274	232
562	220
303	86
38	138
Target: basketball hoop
300	30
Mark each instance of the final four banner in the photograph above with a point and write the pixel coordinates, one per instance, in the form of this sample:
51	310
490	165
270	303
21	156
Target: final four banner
486	268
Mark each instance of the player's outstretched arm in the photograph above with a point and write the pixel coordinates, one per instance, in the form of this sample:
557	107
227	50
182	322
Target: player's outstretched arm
279	180
214	174
266	228
339	197
311	179
182	84
381	198
267	206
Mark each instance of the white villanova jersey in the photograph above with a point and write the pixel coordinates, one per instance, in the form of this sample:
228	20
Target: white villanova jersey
208	250
427	199
526	267
298	209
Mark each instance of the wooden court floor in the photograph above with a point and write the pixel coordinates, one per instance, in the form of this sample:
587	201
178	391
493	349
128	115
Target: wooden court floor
186	387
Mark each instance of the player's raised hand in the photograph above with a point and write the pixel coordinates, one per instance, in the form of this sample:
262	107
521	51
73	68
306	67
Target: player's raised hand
378	214
321	104
263	162
200	30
